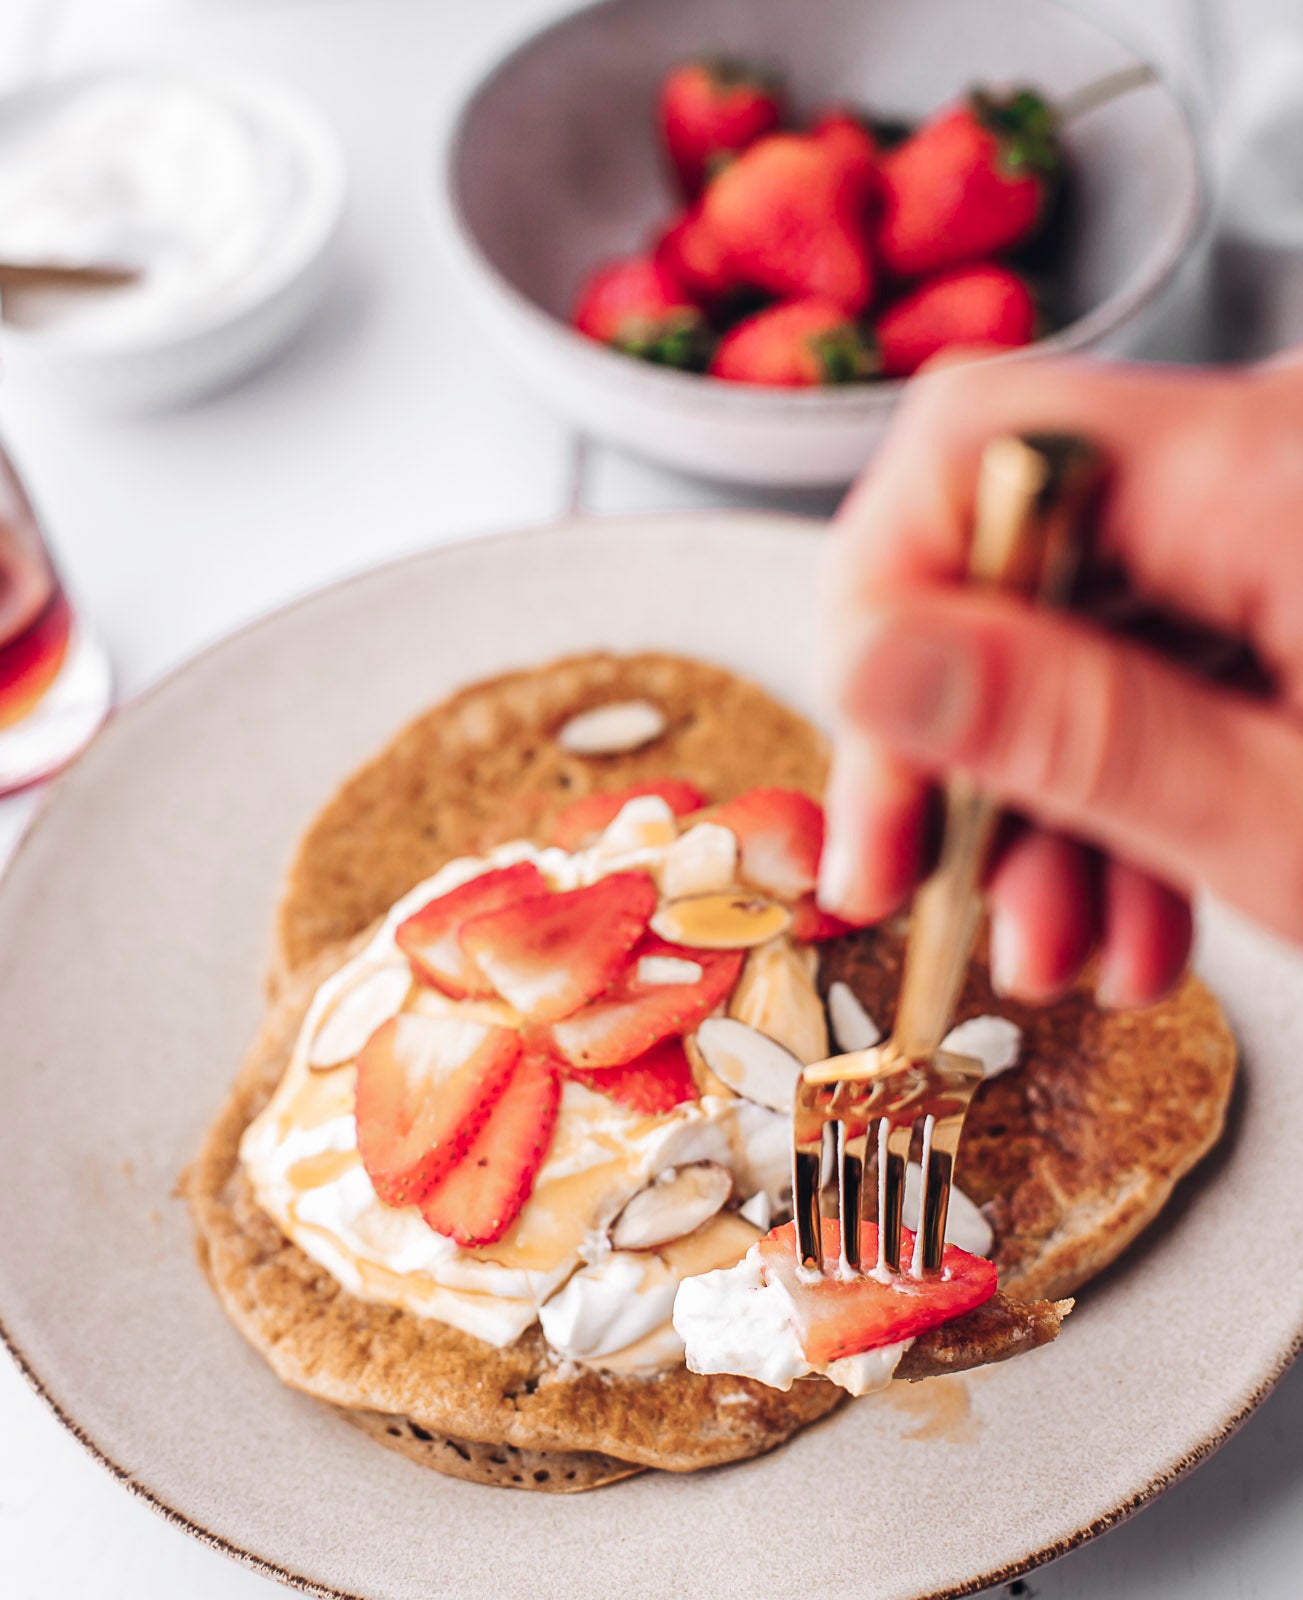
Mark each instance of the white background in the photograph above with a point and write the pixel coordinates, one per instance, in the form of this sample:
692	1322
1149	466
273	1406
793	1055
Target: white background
386	427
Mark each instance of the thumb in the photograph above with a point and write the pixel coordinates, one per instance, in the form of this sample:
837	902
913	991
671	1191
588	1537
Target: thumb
1092	736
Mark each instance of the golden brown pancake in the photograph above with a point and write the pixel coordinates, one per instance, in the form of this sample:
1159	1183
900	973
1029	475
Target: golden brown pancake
1074	1150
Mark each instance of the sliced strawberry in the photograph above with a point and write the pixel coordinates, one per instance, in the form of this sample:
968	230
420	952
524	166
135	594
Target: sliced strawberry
635	1014
580	823
656	1081
780	836
429	938
811	924
425	1086
548	955
482	1196
835	1318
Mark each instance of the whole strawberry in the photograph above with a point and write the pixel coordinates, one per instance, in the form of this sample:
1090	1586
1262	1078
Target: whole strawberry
635	306
793	221
709	110
987	304
853	141
971	183
798	345
695	260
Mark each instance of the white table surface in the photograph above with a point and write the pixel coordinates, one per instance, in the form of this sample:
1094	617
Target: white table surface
386	427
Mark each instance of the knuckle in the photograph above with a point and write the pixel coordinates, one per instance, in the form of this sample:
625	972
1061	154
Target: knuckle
1079	740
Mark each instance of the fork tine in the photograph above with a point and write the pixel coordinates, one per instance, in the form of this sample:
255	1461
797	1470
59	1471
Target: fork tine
893	1155
805	1207
940	1143
807	1170
929	1241
852	1149
828	1157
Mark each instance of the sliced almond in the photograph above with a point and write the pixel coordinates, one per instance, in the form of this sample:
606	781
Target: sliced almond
668	969
357	1015
777	997
733	921
705	1079
852	1026
612	729
701	861
994	1041
641	824
753	1065
677	1203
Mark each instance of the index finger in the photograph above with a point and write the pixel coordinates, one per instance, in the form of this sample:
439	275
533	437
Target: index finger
1190	497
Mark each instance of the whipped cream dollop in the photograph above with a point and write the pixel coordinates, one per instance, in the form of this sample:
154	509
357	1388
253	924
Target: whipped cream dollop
737	1320
555	1264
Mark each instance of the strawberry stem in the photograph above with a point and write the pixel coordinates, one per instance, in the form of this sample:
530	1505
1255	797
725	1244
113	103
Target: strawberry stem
843	356
1026	128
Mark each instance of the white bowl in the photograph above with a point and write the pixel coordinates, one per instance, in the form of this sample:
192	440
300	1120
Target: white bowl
551	166
210	346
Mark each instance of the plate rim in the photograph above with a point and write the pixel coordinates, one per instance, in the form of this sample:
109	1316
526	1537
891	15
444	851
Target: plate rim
732	518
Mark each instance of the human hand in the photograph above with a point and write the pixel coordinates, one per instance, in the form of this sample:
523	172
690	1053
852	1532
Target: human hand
1141	780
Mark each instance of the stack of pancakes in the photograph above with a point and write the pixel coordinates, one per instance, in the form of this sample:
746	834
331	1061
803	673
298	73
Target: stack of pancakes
1071	1153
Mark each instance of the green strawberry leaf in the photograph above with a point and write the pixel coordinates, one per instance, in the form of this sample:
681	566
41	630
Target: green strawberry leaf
843	355
1026	128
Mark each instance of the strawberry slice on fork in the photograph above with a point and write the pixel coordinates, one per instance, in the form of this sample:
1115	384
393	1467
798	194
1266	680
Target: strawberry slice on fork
425	1086
836	1315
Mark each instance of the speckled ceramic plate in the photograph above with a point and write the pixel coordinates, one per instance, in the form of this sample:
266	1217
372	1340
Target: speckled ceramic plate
133	928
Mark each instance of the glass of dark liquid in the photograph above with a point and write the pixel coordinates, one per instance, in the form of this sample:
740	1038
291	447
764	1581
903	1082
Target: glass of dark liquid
55	682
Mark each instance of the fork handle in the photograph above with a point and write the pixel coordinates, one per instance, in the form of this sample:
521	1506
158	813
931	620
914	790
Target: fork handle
1035	494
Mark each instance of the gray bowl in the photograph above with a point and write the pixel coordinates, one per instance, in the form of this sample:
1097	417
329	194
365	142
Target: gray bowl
551	165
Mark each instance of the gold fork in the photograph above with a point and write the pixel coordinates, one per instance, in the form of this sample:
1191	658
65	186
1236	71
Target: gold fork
1034	496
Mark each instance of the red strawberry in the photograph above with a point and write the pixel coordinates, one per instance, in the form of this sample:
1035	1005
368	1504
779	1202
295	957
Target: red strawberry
548	955
656	1081
780	838
483	1194
429	937
837	1317
980	305
580	823
635	306
625	1023
811	924
970	183
792	222
695	260
856	148
425	1086
709	110
800	344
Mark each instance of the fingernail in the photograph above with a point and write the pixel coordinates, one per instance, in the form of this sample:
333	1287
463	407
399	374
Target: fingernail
1008	956
1111	991
916	684
836	874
